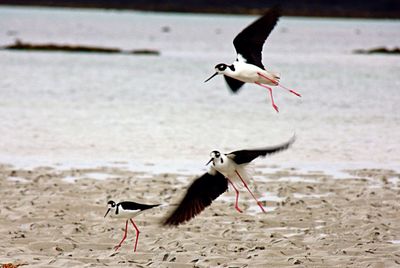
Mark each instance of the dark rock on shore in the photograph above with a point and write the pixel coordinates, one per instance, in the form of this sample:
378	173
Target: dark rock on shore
378	50
19	45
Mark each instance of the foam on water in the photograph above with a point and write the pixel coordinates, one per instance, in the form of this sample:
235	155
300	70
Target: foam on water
89	175
297	179
18	179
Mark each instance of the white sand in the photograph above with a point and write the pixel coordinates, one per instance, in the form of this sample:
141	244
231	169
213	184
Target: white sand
321	222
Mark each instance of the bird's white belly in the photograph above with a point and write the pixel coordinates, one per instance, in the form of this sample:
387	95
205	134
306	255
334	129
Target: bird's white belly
226	167
247	77
230	170
250	74
124	214
227	172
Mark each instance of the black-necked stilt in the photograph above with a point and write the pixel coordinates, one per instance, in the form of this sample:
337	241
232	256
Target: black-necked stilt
127	210
248	67
226	168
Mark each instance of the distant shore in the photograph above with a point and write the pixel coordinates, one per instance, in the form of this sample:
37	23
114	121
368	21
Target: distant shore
353	9
19	45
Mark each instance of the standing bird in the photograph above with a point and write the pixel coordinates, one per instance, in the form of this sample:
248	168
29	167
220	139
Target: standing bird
248	67
127	210
226	168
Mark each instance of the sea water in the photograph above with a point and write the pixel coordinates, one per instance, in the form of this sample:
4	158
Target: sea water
58	107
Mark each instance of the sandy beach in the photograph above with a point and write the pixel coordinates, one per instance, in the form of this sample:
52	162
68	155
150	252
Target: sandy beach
52	217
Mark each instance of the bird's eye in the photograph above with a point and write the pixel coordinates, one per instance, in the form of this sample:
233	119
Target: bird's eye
220	67
215	154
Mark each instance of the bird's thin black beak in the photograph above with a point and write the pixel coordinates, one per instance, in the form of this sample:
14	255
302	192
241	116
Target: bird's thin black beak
211	77
209	162
108	210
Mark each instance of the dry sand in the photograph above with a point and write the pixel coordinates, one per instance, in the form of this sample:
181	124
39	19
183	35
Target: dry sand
318	221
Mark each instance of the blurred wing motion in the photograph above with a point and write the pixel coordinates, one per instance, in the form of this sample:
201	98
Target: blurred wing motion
250	41
199	196
233	83
246	156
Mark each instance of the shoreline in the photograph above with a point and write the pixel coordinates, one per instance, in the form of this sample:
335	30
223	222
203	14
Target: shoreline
336	168
295	10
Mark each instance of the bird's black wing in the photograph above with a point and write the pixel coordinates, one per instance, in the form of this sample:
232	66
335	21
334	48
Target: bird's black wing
198	196
250	41
129	205
233	83
246	156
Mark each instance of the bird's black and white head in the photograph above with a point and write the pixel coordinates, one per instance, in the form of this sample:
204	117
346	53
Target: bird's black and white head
220	68
111	206
221	162
216	157
215	154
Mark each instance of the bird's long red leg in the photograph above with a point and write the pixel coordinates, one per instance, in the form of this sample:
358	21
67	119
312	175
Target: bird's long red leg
123	239
290	90
280	85
137	233
272	97
245	185
237	196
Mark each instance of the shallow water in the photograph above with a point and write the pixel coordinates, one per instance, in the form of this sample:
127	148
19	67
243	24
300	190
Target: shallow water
72	108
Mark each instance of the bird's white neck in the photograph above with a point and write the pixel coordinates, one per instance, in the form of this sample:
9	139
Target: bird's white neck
224	165
230	70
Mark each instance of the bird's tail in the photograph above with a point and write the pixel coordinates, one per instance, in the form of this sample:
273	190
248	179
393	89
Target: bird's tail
276	76
270	77
163	205
246	171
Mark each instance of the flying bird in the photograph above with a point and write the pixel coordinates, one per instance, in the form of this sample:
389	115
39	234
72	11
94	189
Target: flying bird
231	168
127	210
248	67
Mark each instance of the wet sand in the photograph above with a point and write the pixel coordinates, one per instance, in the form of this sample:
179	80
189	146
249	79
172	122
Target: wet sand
313	220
